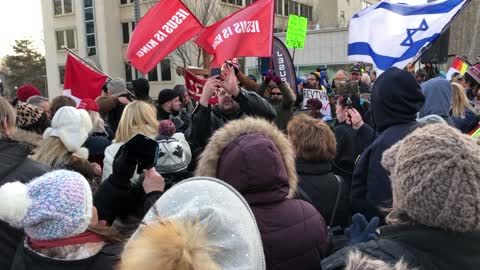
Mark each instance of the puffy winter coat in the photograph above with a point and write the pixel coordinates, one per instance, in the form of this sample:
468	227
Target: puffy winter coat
256	158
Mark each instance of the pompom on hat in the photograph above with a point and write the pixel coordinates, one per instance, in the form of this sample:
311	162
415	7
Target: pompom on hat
53	206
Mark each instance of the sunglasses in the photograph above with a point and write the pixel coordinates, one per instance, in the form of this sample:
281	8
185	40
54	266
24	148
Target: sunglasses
276	94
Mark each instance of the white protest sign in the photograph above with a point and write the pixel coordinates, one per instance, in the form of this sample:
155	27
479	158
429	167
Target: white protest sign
320	95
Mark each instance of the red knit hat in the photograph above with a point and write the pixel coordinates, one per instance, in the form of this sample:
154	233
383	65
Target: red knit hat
27	91
166	128
88	105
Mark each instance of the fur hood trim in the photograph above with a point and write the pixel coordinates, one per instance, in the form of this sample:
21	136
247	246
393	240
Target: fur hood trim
26	137
207	165
357	261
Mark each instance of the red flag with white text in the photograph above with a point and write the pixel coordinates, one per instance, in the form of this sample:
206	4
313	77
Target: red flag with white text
81	81
164	28
195	85
247	32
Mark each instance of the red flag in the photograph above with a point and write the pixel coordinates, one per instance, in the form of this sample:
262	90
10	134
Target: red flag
247	32
195	85
81	81
164	28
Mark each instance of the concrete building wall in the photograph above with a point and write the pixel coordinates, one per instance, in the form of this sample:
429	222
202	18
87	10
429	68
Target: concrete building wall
323	48
465	33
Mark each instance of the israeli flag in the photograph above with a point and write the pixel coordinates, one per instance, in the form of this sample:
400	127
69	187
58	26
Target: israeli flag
388	34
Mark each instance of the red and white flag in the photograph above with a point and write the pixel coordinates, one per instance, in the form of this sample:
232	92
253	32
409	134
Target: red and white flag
81	81
247	32
164	28
194	86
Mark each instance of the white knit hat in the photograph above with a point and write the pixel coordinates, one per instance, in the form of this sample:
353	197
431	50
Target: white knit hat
55	205
174	154
230	223
72	126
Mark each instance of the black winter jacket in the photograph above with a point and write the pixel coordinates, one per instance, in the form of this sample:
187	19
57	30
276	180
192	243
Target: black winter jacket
14	166
206	120
106	259
419	246
321	186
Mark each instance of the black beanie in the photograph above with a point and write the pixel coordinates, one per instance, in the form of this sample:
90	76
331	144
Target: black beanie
166	95
141	88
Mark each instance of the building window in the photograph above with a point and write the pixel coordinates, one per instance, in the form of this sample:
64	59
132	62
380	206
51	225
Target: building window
234	2
124	2
127	29
286	9
153	75
61	73
90	33
66	38
166	70
62	7
342	16
165	74
365	4
310	13
279	7
128	72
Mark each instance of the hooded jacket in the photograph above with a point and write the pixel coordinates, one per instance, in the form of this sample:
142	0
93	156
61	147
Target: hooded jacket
16	166
438	99
396	100
258	161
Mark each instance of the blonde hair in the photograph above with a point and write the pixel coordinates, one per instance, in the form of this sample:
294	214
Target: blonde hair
97	122
312	138
8	113
169	245
52	152
138	117
460	101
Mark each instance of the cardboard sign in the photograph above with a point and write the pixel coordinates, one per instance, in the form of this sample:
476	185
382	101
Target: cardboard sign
320	95
296	31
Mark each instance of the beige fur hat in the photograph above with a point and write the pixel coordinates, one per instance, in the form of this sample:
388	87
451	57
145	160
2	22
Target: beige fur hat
435	177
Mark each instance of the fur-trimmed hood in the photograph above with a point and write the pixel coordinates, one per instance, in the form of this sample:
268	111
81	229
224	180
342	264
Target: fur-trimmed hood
28	138
357	261
232	134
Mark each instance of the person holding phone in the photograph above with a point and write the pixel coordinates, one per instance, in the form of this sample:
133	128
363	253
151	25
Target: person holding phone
138	118
233	103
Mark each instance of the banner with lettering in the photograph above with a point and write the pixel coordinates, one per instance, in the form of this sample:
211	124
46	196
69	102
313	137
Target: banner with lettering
247	32
283	64
320	95
194	86
165	27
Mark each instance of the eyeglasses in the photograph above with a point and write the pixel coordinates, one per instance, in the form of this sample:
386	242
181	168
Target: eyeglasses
276	94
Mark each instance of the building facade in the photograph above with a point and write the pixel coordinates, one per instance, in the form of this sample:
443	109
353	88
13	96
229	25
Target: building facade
100	32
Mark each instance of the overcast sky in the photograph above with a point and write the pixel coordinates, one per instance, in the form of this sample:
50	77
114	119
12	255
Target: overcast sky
20	19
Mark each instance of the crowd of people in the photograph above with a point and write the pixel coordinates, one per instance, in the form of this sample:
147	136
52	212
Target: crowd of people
388	181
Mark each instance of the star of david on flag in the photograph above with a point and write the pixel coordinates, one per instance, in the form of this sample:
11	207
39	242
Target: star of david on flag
388	34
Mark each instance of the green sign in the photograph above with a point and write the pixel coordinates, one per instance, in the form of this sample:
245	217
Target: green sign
296	31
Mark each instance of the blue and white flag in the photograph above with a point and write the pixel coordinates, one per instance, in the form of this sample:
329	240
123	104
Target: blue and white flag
388	34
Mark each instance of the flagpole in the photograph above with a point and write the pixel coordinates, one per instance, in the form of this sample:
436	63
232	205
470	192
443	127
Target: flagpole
271	31
87	63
